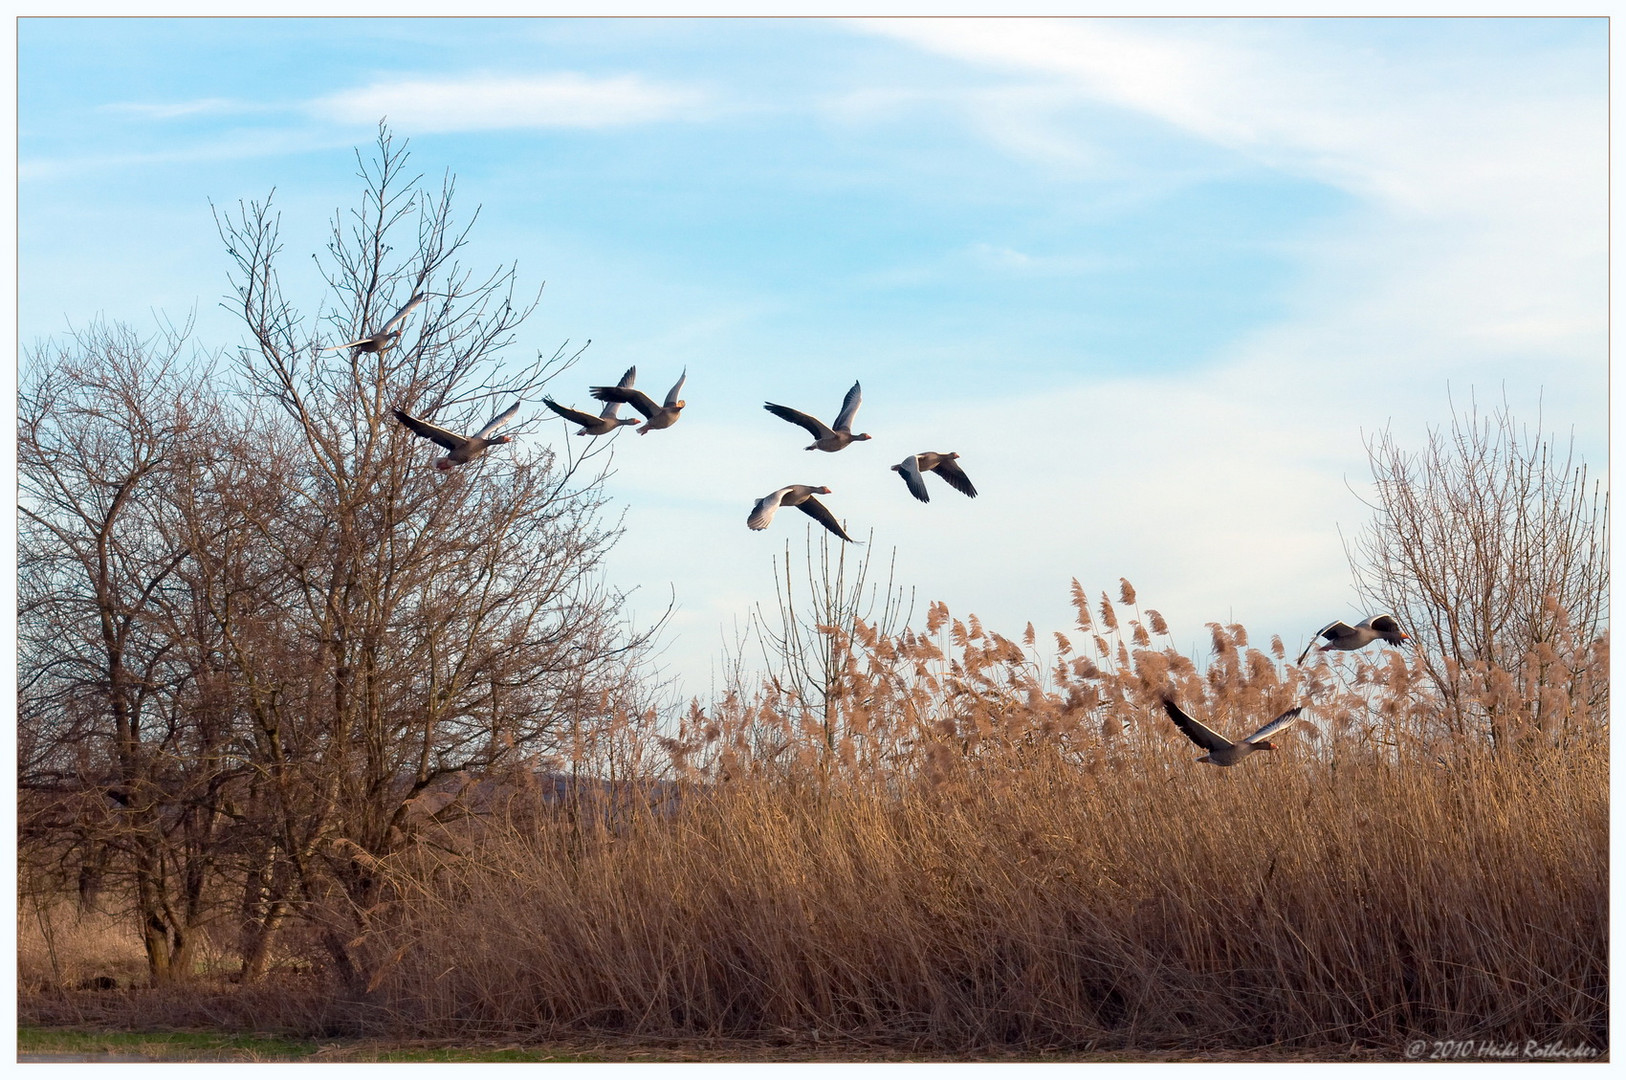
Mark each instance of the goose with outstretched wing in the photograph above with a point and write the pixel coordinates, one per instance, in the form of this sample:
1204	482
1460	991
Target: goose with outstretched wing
1342	637
1222	751
385	337
460	449
914	468
801	497
825	437
656	416
607	420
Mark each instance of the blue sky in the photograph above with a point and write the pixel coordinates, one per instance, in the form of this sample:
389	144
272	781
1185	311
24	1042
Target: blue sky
1152	279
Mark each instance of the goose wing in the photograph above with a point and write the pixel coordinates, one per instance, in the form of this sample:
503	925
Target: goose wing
1205	737
950	470
820	513
811	423
1332	632
400	316
626	395
1389	627
497	421
1335	630
1287	719
576	416
614	407
762	513
439	435
677	388
849	407
909	469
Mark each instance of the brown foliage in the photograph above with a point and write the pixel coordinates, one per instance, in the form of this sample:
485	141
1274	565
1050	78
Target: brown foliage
976	863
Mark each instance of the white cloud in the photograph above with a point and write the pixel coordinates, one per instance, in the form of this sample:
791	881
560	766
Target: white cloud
985	260
174	110
1477	236
1166	76
474	103
1007	260
486	102
234	144
1418	131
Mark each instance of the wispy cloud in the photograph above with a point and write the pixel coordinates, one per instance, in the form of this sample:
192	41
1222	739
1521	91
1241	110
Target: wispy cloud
984	259
1002	259
1165	75
488	102
1412	135
237	144
175	110
470	103
1479	168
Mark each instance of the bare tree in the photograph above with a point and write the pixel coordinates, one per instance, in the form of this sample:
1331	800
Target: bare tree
1492	548
256	623
403	625
808	649
112	429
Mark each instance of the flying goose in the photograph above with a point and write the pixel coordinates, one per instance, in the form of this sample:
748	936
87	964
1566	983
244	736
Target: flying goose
1340	635
1222	751
914	468
462	450
391	333
662	416
607	420
801	497
825	438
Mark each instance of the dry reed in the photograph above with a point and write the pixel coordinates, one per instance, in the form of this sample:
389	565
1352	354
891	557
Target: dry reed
1295	902
977	847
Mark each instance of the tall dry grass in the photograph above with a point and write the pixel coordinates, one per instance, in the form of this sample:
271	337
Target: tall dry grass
980	847
1291	902
966	842
62	944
